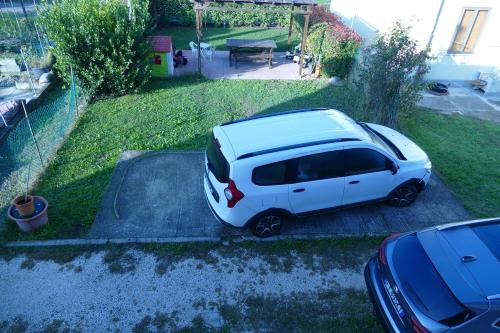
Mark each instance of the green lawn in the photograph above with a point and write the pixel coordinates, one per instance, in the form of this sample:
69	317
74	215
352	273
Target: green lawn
181	36
465	152
178	114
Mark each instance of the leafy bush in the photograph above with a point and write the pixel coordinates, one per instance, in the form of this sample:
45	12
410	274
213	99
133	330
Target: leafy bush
180	12
108	50
391	74
332	42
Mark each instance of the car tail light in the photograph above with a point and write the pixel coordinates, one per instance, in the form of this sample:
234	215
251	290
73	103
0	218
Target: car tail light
233	195
417	327
381	249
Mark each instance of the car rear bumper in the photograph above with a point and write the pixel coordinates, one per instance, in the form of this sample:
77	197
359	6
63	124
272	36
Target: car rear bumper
381	303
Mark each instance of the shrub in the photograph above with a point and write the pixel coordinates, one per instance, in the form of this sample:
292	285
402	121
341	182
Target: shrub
108	50
333	42
391	74
180	12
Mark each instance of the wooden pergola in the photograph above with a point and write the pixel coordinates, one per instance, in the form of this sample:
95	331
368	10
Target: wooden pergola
292	7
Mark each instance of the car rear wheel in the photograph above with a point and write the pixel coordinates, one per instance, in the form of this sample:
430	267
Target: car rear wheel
403	196
267	225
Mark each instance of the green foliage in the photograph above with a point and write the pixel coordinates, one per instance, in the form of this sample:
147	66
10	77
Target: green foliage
337	55
177	12
180	12
391	74
108	50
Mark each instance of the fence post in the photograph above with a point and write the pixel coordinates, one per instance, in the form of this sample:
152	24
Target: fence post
73	88
31	131
28	71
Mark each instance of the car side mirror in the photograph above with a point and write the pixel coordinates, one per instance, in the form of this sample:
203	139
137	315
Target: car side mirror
393	167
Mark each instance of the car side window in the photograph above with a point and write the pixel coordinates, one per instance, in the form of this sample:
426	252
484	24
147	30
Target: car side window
364	160
270	174
319	166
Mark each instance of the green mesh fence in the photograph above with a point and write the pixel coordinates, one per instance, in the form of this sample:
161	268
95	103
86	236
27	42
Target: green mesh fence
51	120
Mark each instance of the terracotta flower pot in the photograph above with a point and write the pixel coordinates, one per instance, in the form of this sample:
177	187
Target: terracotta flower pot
24	205
36	220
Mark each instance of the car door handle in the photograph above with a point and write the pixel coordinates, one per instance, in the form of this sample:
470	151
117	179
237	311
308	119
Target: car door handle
299	190
354	182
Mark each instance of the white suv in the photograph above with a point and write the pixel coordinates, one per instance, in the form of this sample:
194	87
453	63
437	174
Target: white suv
262	169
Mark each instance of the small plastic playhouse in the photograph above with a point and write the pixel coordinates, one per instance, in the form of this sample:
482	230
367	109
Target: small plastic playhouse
161	56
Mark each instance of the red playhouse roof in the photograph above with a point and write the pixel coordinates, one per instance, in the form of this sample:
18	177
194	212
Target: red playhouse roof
161	43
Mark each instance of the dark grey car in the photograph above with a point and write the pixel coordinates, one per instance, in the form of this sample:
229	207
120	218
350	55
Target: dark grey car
441	279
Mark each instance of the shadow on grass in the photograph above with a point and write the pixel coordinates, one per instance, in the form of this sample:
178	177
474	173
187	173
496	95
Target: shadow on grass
73	203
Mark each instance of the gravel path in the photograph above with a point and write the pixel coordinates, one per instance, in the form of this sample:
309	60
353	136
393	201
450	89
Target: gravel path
99	292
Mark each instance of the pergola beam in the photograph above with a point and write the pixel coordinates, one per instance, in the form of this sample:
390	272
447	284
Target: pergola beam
304	43
304	9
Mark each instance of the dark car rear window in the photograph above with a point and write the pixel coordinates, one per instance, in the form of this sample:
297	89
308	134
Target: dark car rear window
423	284
217	163
490	236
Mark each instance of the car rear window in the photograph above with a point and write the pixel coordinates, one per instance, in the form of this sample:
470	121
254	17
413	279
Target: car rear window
423	284
490	236
217	163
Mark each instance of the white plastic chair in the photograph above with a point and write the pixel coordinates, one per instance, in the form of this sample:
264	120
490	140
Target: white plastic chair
194	48
207	52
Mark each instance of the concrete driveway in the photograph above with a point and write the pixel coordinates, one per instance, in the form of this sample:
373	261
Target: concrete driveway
160	194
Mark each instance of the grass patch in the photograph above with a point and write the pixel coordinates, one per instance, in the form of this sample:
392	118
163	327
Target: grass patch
179	114
181	36
466	154
168	114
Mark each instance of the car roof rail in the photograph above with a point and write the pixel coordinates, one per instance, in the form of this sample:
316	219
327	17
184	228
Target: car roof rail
465	223
272	115
295	146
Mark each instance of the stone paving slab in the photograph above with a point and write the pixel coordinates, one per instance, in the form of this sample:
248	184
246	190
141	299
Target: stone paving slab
462	101
160	194
218	68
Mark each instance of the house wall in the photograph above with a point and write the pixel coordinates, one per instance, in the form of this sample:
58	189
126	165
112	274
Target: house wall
368	17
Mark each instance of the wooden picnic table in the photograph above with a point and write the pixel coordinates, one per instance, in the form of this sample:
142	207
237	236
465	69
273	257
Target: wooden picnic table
250	49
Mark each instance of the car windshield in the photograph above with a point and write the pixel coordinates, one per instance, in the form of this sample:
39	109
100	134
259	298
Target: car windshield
422	283
217	163
382	142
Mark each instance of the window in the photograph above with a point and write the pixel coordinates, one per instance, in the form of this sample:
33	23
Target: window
490	235
270	174
468	30
319	166
217	163
364	160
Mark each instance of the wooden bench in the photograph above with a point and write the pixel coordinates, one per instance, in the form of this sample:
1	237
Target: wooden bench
250	49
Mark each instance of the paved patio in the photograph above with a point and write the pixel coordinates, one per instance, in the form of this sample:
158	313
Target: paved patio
218	68
463	101
160	194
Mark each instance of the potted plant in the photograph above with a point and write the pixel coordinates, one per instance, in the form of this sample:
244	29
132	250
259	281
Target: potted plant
29	212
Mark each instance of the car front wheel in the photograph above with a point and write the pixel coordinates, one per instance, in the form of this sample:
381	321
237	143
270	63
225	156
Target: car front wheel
403	196
267	225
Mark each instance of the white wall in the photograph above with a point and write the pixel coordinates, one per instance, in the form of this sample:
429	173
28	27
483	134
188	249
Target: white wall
368	17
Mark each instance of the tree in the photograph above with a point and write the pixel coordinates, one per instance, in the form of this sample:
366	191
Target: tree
391	74
106	46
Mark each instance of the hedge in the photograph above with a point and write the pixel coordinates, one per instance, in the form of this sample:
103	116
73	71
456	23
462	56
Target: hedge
180	12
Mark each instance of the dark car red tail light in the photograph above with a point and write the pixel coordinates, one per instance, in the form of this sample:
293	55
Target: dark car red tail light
233	195
417	327
381	249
